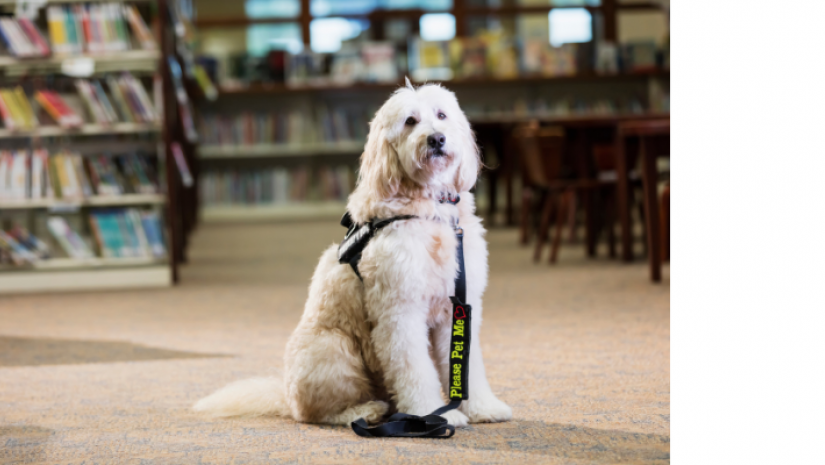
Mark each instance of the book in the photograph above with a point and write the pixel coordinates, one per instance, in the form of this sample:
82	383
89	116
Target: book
54	105
139	28
19	254
124	111
5	112
112	242
18	186
57	29
39	173
35	36
70	241
135	222
379	62
154	233
95	108
429	60
22	38
130	240
17	111
31	242
5	174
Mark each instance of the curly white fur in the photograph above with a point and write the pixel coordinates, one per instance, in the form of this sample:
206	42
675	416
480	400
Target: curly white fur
363	349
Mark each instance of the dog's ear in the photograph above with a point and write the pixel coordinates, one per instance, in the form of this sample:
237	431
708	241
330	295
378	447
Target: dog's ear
408	83
469	164
381	171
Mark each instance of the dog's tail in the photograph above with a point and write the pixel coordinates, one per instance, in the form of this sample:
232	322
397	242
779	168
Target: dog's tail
250	397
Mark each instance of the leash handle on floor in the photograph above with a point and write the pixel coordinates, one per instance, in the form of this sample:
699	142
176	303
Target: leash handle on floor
403	425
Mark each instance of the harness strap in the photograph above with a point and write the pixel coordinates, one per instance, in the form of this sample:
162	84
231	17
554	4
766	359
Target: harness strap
434	425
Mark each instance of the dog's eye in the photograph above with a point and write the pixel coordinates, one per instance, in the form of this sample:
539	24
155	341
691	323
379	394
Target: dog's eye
410	121
441	115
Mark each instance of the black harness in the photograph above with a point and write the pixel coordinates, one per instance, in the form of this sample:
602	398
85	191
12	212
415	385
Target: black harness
403	424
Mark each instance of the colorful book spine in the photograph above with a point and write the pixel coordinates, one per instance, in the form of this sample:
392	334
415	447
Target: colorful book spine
139	28
57	29
69	240
5	112
154	233
35	36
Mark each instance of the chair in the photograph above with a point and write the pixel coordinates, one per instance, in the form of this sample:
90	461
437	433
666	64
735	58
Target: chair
664	206
545	176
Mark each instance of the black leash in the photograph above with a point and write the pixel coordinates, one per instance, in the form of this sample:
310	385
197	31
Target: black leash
403	424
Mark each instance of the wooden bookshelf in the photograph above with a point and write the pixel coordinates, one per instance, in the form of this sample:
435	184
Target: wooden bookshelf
95	201
127	60
280	88
229	152
68	274
92	263
277	212
85	276
84	130
587	119
460	12
68	2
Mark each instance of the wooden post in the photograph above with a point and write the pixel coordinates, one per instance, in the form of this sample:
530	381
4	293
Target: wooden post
609	17
305	19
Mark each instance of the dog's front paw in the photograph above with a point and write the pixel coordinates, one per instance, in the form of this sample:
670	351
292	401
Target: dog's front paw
487	410
456	418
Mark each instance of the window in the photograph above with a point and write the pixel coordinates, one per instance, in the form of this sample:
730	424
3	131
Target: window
437	26
570	25
326	34
272	8
364	7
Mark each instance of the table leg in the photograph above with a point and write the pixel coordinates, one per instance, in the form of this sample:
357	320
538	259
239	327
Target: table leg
623	198
508	169
654	238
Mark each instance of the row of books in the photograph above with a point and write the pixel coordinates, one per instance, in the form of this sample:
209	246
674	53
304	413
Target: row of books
488	55
126	102
276	186
293	127
75	29
115	233
95	28
128	95
68	175
22	38
563	107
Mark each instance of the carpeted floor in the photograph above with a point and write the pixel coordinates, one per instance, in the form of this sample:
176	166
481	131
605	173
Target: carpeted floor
580	350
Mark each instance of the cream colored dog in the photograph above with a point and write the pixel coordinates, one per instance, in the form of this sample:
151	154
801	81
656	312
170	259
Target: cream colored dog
365	348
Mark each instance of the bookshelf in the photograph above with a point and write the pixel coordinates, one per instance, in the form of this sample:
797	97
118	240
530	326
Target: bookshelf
283	212
230	152
84	130
112	185
280	88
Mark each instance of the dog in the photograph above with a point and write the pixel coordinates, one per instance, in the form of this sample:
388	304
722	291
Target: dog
364	349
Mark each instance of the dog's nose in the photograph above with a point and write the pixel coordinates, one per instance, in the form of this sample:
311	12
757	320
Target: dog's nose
436	141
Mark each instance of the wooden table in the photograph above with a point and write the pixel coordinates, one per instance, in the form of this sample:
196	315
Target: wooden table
493	130
653	141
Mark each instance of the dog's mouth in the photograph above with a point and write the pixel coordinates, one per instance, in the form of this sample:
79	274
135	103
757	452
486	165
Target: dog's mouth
436	153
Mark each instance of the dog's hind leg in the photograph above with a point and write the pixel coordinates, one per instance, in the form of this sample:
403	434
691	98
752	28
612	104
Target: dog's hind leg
327	381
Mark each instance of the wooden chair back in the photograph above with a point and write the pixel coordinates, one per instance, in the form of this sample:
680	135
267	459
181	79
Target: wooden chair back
540	151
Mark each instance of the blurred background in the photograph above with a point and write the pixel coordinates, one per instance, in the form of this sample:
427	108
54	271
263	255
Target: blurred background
258	111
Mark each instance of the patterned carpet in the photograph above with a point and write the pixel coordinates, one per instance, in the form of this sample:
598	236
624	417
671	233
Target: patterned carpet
580	350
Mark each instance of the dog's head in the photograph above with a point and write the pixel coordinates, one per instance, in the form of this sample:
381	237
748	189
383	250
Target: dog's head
420	142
